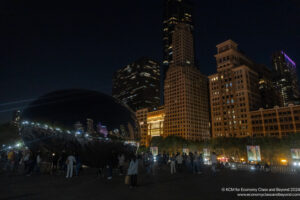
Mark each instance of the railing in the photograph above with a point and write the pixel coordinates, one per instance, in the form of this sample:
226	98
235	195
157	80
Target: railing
273	169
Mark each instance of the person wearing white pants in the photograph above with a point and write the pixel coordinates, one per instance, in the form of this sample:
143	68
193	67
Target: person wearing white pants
70	162
173	168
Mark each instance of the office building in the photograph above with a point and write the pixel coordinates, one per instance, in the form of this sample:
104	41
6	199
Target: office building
234	92
286	79
175	11
276	122
141	116
270	96
185	91
151	124
155	122
137	84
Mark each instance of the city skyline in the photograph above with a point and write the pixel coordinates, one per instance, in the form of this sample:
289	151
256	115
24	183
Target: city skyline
45	49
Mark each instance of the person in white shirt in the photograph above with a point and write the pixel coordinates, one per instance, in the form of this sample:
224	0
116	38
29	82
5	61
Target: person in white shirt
213	159
133	171
179	160
121	159
70	162
38	162
172	165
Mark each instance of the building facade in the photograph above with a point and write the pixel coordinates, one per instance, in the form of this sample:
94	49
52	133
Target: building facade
276	122
151	124
137	85
16	118
286	79
185	91
270	96
141	116
175	11
155	122
234	92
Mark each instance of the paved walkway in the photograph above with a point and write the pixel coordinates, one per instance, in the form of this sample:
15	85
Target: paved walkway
161	186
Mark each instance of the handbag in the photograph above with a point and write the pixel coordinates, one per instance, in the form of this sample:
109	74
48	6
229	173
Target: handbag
127	180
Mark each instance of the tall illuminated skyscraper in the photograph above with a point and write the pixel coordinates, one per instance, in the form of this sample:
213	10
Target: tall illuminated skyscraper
185	91
175	11
286	79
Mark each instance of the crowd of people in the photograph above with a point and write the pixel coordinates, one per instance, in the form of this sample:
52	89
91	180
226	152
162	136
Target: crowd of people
28	163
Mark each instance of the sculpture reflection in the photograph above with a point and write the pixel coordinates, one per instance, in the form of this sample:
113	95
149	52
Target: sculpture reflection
93	125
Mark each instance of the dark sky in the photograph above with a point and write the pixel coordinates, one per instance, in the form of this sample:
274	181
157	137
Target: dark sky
49	46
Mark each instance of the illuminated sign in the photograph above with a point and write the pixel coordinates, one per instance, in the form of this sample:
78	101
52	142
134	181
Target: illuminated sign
102	129
288	58
295	154
253	153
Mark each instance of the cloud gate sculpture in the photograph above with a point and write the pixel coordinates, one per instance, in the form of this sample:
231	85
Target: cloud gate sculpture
91	124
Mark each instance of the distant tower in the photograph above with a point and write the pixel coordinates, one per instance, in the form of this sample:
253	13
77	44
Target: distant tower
78	127
175	11
270	97
286	79
137	84
16	118
90	126
183	46
185	91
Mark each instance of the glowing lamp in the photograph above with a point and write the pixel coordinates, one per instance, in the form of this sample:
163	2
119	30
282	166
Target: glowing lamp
283	160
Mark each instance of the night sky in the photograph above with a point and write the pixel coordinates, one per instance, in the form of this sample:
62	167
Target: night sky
50	46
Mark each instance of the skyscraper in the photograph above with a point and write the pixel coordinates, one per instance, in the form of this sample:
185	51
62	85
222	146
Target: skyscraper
175	11
286	79
234	92
270	97
16	118
185	91
137	84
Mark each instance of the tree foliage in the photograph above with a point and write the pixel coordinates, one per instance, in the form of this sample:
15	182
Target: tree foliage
272	149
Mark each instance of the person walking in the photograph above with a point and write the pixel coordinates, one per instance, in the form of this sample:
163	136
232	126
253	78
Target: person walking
78	165
31	163
38	162
121	160
149	164
200	163
213	159
133	171
172	164
11	160
191	165
195	163
25	160
179	160
70	162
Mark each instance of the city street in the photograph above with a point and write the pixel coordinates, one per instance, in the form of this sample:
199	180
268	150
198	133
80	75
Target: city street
160	186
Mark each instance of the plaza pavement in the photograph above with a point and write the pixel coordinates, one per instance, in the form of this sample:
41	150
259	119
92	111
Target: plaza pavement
162	185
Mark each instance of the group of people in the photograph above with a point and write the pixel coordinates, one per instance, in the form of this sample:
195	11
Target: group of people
69	162
27	162
192	162
12	161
